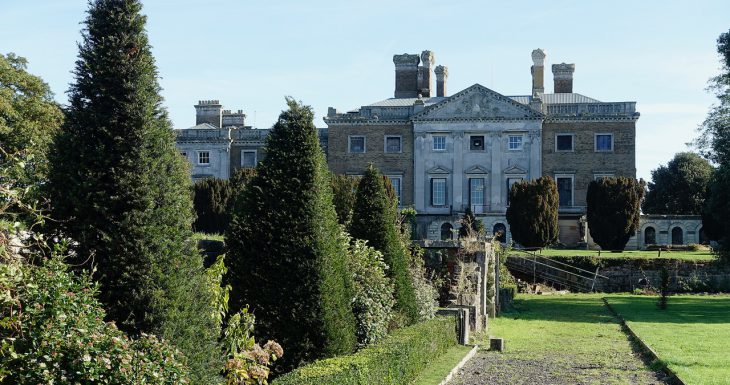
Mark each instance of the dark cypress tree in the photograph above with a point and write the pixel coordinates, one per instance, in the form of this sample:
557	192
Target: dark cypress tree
210	199
344	188
121	192
285	258
375	219
533	212
470	225
613	210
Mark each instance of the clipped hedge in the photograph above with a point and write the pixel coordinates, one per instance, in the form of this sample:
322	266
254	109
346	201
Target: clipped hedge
397	359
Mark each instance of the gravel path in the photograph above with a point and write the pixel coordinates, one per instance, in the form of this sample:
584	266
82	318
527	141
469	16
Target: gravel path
505	369
560	340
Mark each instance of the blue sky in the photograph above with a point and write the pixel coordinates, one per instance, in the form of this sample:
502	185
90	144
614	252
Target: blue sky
250	54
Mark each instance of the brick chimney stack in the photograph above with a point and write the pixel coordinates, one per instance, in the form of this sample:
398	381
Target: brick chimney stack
406	75
208	111
538	71
424	74
563	78
442	72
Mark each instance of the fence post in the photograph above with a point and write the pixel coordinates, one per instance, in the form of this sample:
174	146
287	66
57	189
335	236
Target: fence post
595	277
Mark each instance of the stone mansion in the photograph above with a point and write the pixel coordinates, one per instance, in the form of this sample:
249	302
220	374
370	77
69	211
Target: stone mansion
444	153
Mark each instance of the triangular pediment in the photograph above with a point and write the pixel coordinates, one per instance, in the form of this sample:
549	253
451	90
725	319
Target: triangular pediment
439	170
477	103
476	170
515	170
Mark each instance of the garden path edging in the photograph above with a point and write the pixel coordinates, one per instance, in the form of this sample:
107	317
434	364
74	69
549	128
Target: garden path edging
461	363
672	377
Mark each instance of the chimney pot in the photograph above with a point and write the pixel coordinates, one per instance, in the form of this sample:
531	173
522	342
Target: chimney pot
538	71
442	72
563	78
406	75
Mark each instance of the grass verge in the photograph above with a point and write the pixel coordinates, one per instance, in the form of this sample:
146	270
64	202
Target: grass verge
632	254
691	336
440	368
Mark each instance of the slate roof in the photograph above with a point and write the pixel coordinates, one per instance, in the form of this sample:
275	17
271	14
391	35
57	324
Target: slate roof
405	102
567	98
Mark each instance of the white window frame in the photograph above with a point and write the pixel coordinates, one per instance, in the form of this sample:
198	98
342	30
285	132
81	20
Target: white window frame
599	175
199	153
471	192
364	144
255	157
484	142
521	142
572	142
432	189
572	188
434	143
399	191
595	141
400	144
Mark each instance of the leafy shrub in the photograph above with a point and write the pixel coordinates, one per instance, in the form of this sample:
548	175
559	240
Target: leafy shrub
397	359
374	301
248	363
343	190
375	219
53	332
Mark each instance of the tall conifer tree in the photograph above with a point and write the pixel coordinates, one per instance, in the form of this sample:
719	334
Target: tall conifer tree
374	219
121	192
533	212
285	258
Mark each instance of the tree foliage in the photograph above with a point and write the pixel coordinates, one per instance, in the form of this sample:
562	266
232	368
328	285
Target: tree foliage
679	187
285	258
28	120
211	198
470	225
375	219
613	210
344	188
533	212
121	193
714	143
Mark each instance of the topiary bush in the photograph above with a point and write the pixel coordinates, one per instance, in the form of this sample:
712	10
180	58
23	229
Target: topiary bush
397	359
613	210
375	219
533	212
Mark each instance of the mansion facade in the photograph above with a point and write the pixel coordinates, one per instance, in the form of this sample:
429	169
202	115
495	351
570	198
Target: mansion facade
446	153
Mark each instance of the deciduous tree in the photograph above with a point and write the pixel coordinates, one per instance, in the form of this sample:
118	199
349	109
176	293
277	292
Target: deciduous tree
679	187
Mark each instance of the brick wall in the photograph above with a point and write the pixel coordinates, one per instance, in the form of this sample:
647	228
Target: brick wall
342	162
584	161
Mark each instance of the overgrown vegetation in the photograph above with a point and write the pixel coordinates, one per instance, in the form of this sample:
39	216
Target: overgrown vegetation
533	212
398	359
471	227
375	219
285	257
613	210
121	193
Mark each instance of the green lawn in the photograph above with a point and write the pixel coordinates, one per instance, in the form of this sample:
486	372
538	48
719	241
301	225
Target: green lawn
638	254
440	368
692	336
574	335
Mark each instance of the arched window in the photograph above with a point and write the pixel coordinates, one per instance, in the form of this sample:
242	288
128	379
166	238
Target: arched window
500	232
446	232
703	237
677	236
649	236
